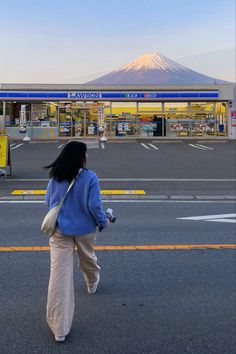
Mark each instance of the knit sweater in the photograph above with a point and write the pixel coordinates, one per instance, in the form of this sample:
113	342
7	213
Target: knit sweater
82	210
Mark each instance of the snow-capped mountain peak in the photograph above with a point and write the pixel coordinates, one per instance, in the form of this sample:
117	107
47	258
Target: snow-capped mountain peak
152	61
154	68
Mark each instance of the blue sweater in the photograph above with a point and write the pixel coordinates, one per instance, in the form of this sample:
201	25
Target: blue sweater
82	210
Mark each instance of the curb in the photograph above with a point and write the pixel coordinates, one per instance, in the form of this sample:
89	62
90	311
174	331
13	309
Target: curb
137	197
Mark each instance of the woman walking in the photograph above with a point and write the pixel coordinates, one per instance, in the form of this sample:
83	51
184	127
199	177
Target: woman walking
79	217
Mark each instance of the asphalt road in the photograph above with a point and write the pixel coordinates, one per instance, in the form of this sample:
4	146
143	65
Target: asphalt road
150	301
177	168
129	160
169	301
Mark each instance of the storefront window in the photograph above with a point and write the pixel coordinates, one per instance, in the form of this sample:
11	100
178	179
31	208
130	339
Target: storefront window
18	114
150	118
221	118
150	107
82	118
44	119
177	124
176	106
202	124
124	119
202	106
44	114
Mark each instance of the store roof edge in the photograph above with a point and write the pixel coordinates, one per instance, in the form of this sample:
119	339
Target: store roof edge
94	87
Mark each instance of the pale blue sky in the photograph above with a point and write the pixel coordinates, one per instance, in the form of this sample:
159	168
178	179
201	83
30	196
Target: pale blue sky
75	41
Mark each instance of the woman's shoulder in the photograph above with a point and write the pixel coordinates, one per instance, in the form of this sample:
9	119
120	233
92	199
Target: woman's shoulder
53	183
88	173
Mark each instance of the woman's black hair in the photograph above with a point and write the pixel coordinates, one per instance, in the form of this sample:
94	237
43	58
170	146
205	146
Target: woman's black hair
68	163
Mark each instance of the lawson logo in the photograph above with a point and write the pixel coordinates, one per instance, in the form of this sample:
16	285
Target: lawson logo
85	95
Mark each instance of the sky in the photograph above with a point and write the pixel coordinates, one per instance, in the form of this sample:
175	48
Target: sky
74	41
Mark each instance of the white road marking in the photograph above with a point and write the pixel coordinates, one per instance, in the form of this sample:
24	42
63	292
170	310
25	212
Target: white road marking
11	145
17	146
126	201
207	217
153	146
103	146
134	180
232	221
217	218
205	147
60	146
196	147
146	147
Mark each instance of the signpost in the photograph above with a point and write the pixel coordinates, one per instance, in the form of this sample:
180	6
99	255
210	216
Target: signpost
101	124
5	159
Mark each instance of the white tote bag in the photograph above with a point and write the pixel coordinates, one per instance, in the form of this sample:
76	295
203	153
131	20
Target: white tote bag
49	223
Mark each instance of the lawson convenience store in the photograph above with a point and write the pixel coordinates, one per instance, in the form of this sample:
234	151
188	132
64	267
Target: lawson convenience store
157	111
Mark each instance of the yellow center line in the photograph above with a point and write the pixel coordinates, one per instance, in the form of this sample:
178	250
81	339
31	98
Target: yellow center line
103	192
126	247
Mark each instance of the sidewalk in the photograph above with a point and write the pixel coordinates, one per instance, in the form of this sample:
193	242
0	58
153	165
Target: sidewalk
137	139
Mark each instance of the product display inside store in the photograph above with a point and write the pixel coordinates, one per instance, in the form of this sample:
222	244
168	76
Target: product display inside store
51	119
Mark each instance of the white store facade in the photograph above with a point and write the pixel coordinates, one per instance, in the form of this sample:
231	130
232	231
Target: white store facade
48	111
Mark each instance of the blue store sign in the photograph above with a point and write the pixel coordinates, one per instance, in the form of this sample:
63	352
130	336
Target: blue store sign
105	96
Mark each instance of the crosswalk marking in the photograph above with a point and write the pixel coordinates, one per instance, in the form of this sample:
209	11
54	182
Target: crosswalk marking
60	146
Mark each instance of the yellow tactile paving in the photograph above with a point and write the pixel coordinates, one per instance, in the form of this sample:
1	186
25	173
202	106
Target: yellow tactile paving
127	248
103	192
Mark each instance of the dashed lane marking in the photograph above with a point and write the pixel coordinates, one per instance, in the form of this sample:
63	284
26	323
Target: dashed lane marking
103	192
128	247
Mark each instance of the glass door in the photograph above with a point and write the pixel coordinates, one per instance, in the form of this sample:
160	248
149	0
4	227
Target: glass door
84	119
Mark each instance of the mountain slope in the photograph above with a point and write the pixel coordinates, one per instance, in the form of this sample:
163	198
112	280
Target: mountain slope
154	69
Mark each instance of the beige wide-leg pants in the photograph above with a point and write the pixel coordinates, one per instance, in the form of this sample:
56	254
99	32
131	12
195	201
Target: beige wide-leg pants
60	302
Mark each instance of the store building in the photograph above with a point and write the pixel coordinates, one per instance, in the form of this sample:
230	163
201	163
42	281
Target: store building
174	111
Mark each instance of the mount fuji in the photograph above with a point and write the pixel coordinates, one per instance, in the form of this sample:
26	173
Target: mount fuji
154	69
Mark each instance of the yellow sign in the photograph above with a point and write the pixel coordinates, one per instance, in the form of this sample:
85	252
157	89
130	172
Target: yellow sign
103	192
3	151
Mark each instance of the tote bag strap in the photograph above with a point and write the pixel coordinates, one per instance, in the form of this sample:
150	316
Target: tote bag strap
63	198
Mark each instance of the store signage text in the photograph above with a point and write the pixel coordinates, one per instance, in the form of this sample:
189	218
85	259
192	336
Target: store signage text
85	95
